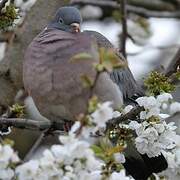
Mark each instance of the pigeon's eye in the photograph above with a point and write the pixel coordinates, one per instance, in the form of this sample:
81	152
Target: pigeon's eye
60	20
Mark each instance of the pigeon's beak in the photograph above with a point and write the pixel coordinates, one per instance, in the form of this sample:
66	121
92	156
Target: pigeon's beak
75	27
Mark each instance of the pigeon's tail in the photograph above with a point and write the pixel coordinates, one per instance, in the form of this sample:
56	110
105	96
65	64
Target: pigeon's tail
141	166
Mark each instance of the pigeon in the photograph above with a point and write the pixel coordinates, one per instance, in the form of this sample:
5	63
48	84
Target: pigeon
53	78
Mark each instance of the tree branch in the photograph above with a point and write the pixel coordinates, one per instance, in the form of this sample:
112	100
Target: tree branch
131	115
26	123
148	13
157	5
130	9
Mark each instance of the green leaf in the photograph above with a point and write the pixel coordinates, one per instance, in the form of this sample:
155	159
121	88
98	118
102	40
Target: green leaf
8	141
109	60
97	149
99	67
114	150
86	81
80	56
18	110
93	103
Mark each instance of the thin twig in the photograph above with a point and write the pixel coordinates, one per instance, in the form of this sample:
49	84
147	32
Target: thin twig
124	26
34	147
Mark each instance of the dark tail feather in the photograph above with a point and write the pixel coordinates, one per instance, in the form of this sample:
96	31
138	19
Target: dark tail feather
139	166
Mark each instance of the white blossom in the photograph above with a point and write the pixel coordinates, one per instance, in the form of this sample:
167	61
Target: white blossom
75	127
28	170
119	157
165	97
102	114
7	156
74	159
173	159
148	102
174	107
119	176
151	105
134	125
6	174
116	114
127	109
152	139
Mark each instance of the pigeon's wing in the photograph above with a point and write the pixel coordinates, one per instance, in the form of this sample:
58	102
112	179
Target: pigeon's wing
123	77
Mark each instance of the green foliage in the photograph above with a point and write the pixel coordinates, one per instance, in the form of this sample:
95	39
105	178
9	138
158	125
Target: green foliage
157	83
93	103
7	17
153	120
108	61
80	56
18	110
105	151
86	81
7	141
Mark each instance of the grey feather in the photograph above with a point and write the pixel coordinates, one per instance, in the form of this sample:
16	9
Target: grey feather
123	77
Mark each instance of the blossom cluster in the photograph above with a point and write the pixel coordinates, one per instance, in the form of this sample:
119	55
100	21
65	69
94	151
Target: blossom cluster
8	158
155	135
74	158
153	139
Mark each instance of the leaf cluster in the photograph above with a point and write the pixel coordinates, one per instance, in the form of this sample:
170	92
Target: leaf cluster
157	83
7	17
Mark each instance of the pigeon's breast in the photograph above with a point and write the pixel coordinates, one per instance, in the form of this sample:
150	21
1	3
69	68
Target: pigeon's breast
52	75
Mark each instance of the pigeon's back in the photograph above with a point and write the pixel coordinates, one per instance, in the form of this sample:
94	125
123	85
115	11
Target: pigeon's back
123	77
55	64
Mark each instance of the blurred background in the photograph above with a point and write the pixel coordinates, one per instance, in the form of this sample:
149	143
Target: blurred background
152	40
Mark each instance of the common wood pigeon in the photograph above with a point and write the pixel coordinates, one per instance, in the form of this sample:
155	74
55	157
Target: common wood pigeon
53	79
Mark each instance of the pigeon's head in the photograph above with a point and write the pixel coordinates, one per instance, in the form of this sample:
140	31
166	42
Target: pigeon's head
67	19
